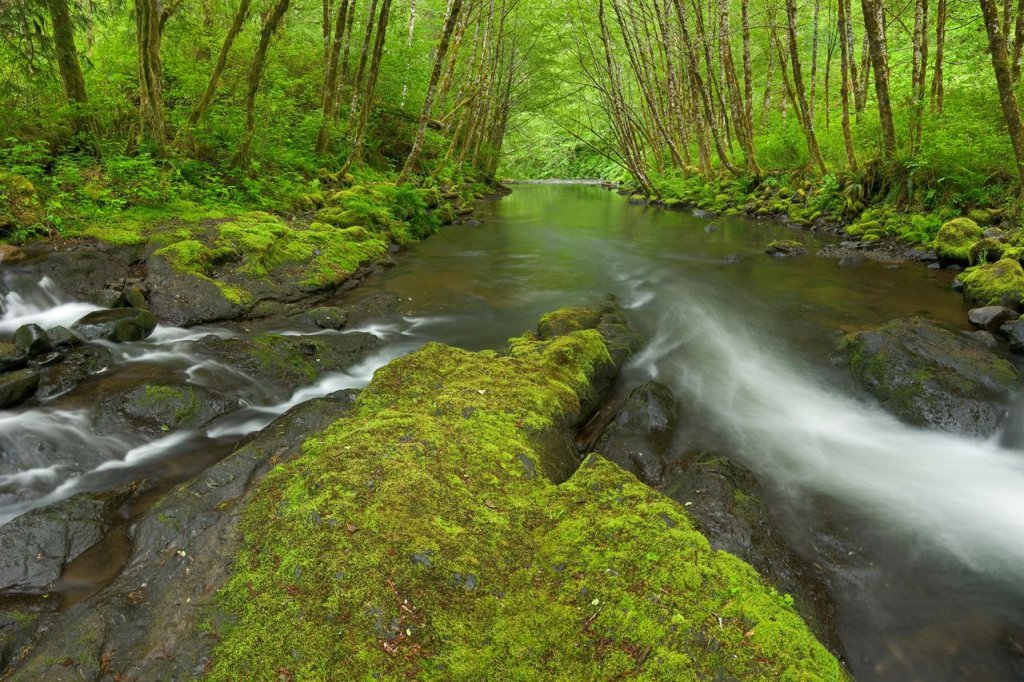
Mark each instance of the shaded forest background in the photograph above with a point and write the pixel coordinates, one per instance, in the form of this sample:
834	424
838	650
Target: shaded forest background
846	108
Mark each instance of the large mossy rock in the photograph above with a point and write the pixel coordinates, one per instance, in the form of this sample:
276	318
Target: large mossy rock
120	325
425	536
955	239
999	283
17	387
932	377
159	408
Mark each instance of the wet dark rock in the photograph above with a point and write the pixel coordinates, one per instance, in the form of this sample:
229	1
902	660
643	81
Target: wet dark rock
640	436
710	227
32	340
62	337
119	325
16	630
108	298
155	409
731	259
11	358
48	359
923	255
990	317
38	544
934	266
725	501
1014	332
81	273
153	621
79	364
184	300
324	317
17	387
852	260
983	337
281	363
931	377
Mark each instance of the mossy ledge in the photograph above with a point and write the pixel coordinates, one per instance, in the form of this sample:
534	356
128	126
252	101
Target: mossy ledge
424	536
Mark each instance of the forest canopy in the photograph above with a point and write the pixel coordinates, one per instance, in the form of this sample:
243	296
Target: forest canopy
110	104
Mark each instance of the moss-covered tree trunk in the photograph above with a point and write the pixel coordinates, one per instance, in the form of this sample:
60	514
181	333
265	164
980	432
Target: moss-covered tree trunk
148	32
844	92
330	93
875	30
68	65
222	59
1004	79
803	109
440	55
918	72
938	87
259	60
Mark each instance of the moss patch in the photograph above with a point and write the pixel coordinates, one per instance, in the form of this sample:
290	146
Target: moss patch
419	538
955	239
1000	283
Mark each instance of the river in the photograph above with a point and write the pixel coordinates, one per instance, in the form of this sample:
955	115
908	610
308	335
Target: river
918	532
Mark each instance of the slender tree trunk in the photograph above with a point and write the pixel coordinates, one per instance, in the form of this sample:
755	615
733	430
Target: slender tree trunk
844	92
68	65
1004	79
357	80
918	73
803	112
408	43
330	93
454	10
259	60
1018	41
370	88
938	87
814	60
222	59
880	65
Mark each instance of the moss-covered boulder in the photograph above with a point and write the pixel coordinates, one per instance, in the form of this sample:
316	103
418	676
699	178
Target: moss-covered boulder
1000	283
785	248
119	325
955	239
987	251
932	377
17	387
157	408
425	536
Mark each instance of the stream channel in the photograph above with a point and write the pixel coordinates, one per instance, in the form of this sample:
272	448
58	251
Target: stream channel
919	534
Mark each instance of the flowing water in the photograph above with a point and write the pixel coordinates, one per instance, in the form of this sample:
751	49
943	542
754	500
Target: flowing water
920	533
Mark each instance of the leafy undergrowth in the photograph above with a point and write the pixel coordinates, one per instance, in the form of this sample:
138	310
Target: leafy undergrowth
423	537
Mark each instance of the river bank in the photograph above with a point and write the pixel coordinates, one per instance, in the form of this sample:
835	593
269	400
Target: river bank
475	286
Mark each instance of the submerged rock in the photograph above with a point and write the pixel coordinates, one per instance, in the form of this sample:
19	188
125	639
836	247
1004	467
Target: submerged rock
785	248
11	357
78	364
17	387
38	544
639	438
11	254
932	377
119	325
154	409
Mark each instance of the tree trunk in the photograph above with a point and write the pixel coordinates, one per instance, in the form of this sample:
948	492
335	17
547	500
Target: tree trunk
68	65
918	73
435	77
938	87
148	14
844	92
259	60
1004	79
370	88
222	59
330	93
804	112
880	65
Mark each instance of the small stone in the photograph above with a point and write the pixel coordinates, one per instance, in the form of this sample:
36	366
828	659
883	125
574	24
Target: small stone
990	317
11	254
62	337
108	298
31	340
118	325
11	357
1014	332
48	359
983	337
136	297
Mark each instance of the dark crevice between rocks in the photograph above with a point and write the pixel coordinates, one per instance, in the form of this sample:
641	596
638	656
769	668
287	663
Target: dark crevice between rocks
640	428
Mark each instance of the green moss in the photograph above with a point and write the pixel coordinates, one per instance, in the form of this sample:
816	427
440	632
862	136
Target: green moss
955	239
567	320
417	538
1000	283
987	251
181	401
